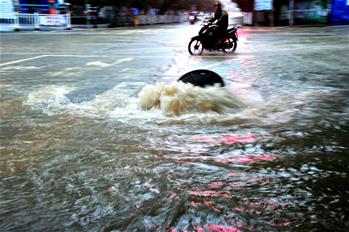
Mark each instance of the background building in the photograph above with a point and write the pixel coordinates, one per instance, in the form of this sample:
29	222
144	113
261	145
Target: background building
40	6
339	12
296	12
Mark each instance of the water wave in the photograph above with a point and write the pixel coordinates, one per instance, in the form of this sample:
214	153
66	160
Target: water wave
50	99
173	103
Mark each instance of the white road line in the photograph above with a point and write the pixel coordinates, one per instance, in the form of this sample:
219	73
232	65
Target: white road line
69	55
41	56
22	60
121	54
91	56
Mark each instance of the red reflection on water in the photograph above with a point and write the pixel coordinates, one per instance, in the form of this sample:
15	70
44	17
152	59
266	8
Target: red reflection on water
208	203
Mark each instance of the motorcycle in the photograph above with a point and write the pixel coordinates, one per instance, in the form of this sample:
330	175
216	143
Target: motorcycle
192	19
203	41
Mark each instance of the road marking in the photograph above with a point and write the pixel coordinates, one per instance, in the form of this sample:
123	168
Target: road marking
22	60
105	65
91	56
69	55
120	54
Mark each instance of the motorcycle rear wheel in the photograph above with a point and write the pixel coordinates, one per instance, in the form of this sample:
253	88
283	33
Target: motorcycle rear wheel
195	47
230	45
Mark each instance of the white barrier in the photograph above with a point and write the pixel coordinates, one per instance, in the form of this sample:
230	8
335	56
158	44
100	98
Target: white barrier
20	21
160	19
247	18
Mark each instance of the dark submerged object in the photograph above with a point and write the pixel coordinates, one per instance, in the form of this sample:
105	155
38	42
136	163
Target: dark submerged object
202	78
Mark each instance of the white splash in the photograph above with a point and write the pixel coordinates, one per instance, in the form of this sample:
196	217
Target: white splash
50	99
179	98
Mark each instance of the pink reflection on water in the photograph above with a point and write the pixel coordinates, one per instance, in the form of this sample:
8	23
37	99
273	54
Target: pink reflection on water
204	139
199	229
246	158
233	139
226	139
208	203
259	207
229	54
218	228
197	150
209	193
234	75
229	61
234	174
227	159
216	208
195	204
215	185
186	159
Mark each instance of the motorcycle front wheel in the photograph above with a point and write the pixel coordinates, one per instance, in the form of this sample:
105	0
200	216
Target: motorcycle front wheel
230	45
195	47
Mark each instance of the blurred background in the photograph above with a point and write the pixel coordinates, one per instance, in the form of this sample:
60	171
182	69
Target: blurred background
133	12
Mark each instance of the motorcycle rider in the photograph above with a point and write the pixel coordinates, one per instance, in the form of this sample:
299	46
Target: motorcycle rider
220	20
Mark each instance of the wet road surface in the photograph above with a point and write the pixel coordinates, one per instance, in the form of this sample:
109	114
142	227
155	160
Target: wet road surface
268	152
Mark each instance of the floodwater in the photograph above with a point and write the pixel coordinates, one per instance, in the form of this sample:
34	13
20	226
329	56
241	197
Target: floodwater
268	152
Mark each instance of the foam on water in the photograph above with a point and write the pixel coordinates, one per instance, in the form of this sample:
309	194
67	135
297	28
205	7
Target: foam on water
173	103
178	98
50	99
54	99
158	103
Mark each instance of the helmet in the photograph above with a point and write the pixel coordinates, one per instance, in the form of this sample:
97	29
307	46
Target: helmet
218	3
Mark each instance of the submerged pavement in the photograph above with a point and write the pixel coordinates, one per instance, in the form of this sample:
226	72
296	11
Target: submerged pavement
267	152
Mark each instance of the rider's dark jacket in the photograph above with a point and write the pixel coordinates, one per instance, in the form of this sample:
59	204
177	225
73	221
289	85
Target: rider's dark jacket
222	21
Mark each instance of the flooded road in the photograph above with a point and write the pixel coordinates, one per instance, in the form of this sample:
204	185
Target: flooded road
96	135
